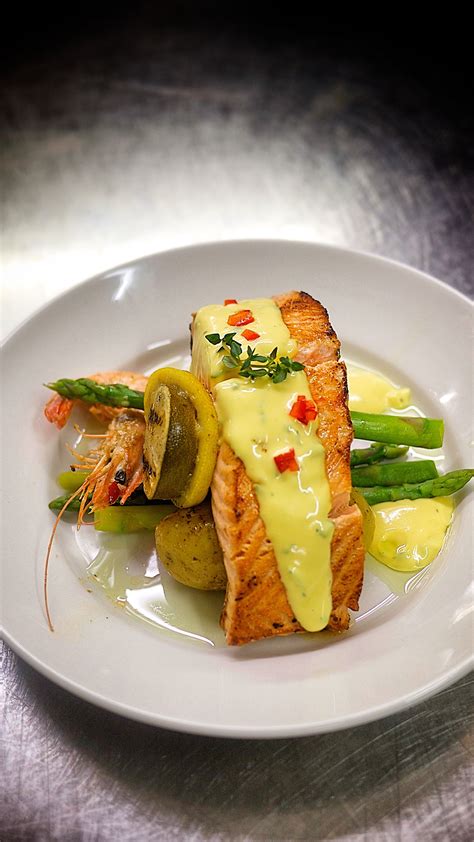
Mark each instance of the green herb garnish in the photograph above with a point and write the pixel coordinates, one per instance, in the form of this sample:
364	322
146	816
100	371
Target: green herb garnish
254	365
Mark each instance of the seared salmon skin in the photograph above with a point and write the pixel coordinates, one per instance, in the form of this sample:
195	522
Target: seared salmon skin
256	605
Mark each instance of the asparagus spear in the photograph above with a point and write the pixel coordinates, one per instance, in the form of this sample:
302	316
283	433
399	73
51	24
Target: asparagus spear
398	429
375	453
57	504
394	474
438	487
136	499
71	480
114	394
420	432
132	518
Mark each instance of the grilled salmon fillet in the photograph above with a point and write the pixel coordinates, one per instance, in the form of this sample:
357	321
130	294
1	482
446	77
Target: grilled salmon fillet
256	604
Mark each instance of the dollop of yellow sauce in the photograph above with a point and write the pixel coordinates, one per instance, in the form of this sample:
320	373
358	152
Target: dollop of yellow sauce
255	421
371	392
409	534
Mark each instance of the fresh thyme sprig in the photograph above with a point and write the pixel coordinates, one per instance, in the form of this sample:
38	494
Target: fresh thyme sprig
253	365
228	343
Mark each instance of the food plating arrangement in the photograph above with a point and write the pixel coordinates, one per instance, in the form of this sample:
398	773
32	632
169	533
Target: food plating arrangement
244	470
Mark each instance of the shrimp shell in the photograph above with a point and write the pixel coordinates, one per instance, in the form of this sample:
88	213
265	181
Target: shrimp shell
120	449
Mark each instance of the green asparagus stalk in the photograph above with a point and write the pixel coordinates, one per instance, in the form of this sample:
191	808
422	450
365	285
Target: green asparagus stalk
392	429
136	499
71	480
376	453
398	429
438	487
83	389
57	504
396	473
124	519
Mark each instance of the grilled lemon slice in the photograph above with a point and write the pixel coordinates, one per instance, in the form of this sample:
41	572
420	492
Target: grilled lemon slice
181	438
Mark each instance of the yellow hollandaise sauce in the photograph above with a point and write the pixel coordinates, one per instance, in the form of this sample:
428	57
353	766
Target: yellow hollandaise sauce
255	421
409	534
371	392
267	322
294	505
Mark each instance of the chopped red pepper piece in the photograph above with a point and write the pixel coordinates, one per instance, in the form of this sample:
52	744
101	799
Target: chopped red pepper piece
243	317
230	301
286	461
114	493
250	335
303	410
298	408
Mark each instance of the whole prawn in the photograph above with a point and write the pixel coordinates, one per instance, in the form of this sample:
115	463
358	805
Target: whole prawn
115	464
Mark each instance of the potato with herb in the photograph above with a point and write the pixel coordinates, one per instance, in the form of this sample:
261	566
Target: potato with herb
187	545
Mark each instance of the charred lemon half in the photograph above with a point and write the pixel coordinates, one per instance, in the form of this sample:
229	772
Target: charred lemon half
181	436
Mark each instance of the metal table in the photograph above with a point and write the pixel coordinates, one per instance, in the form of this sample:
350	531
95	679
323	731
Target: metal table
138	136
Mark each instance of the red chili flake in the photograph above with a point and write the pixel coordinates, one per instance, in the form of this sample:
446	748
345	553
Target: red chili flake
250	335
286	461
303	410
114	493
243	317
230	301
298	409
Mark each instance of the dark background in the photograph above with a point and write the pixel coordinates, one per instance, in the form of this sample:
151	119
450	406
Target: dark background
396	98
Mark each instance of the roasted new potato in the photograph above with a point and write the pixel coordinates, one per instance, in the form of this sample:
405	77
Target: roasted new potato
187	545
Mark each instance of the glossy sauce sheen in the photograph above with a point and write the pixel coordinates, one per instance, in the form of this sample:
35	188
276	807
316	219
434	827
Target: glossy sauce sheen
409	534
294	505
371	392
255	422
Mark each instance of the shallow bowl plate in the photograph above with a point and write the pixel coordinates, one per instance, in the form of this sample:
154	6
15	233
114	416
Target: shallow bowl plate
410	639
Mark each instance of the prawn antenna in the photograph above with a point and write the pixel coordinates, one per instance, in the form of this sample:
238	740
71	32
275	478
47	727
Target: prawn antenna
48	553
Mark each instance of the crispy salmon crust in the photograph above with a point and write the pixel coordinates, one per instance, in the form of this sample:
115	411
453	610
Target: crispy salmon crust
308	323
256	605
328	386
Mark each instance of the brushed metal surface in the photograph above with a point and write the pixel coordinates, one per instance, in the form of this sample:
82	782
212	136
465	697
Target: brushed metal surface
139	139
73	771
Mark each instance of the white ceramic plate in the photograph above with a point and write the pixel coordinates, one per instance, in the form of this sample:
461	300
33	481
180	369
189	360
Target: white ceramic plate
409	640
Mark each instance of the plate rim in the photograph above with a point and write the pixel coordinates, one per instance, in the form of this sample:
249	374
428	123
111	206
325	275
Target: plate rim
238	241
215	729
242	732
